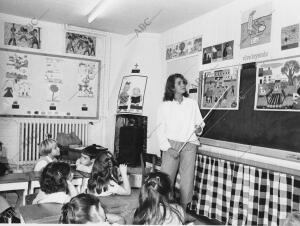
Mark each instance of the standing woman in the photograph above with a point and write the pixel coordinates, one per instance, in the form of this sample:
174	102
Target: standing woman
178	118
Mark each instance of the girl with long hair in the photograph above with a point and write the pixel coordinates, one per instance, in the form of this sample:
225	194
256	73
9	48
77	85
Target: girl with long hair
155	205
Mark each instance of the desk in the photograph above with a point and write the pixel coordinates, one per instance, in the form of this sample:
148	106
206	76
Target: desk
41	213
15	181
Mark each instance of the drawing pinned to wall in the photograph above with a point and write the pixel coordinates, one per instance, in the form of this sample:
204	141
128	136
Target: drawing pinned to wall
80	44
53	92
131	94
219	52
278	85
227	50
87	73
215	82
54	68
184	48
22	35
17	76
290	37
207	55
256	26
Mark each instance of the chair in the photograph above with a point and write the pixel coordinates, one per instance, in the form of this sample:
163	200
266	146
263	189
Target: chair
154	160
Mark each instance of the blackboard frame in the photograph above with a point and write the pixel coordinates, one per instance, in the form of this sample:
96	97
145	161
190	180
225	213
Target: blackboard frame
64	57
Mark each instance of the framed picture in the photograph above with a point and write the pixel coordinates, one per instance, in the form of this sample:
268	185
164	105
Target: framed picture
22	35
80	44
220	87
131	94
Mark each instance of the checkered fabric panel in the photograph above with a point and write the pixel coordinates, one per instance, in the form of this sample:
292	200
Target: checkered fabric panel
237	194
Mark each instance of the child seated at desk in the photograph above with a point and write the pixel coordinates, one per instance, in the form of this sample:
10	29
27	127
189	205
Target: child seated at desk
56	185
84	209
104	180
155	206
48	151
86	161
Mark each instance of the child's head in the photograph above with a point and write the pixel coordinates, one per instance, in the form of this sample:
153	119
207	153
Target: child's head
82	209
49	147
54	177
88	155
104	170
154	200
293	219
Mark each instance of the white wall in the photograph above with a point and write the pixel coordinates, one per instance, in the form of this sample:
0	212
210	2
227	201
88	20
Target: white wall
224	24
118	56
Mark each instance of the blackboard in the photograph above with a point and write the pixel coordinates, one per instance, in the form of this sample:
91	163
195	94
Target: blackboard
271	129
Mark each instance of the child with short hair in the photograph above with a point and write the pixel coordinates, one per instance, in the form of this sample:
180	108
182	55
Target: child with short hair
155	205
48	151
86	161
56	185
84	209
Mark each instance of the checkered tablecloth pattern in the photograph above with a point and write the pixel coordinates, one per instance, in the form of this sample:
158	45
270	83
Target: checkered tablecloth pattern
238	194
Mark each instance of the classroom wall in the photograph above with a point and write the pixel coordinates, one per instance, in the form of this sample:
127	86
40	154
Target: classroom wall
223	25
118	55
53	42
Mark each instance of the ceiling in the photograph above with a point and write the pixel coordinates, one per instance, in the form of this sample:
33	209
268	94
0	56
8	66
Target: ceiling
119	16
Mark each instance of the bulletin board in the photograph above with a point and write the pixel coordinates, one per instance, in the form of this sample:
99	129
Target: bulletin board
46	85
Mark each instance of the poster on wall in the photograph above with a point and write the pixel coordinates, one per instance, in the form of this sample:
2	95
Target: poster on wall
54	69
80	44
87	72
290	37
215	83
184	48
218	52
22	35
131	94
16	77
278	85
256	26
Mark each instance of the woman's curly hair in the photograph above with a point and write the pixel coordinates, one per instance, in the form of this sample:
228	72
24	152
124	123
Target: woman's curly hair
54	177
105	168
170	85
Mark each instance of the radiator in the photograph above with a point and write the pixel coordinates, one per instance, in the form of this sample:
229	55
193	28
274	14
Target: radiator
32	133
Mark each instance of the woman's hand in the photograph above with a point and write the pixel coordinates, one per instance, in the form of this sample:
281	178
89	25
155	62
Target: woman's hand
198	130
173	153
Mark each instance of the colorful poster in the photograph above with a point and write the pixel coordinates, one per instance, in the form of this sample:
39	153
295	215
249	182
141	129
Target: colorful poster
87	72
290	37
54	69
256	26
184	48
278	85
22	35
131	94
16	83
218	52
80	44
218	82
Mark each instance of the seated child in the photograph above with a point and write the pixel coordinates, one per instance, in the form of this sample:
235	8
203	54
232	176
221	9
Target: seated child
155	206
104	177
56	185
84	209
48	151
86	161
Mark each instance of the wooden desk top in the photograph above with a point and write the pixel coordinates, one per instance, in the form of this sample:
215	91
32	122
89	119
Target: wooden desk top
41	213
14	177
